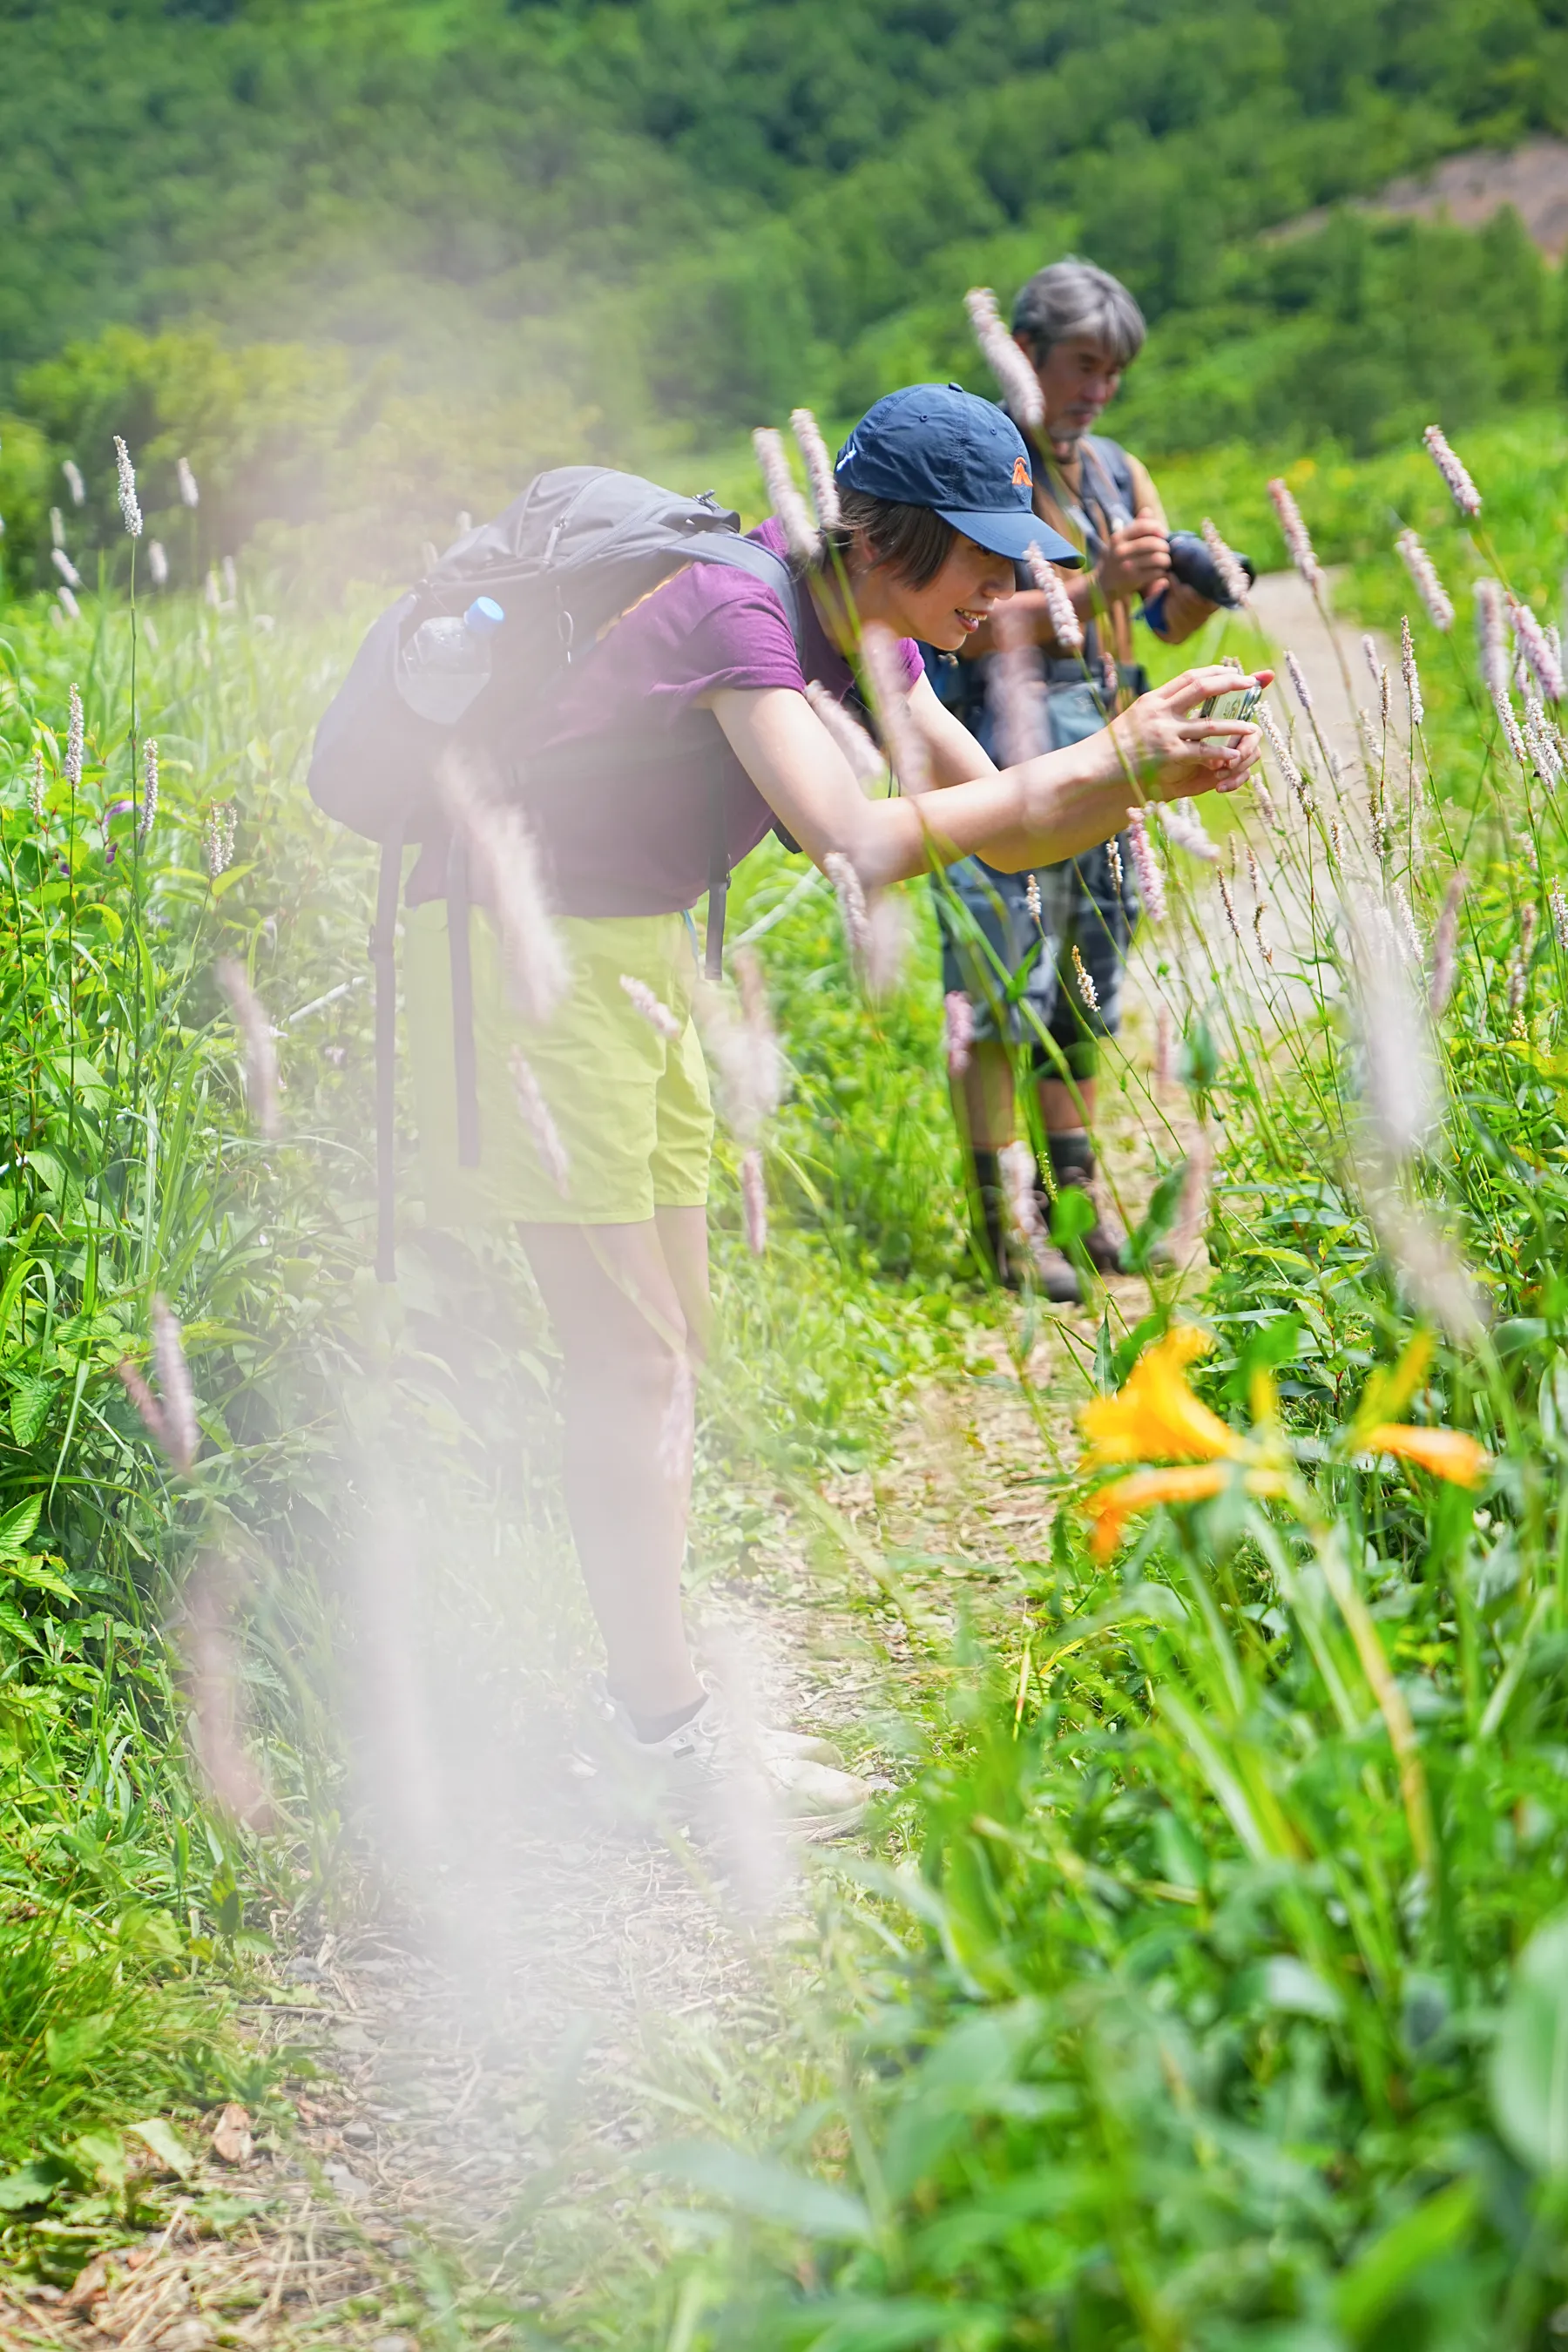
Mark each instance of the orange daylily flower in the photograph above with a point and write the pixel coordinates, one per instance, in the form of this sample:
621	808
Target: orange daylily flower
1114	1505
1155	1415
1447	1453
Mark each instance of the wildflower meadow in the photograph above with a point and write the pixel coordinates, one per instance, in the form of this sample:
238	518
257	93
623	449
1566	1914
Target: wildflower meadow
1201	1979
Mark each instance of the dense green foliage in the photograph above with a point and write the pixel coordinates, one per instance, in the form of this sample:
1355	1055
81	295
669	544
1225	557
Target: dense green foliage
458	242
1229	1993
133	1901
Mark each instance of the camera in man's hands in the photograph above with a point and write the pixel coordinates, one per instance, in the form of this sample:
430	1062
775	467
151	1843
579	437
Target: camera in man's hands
1192	563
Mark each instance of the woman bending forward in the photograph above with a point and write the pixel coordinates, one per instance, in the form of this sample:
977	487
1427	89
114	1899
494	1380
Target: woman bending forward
705	677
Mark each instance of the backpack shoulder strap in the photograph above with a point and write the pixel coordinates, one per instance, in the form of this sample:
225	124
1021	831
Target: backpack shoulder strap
772	571
1110	461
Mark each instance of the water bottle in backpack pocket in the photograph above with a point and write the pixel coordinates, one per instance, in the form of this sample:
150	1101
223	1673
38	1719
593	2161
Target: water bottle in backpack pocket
446	661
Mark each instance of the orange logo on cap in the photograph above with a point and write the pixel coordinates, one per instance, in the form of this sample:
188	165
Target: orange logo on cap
1021	473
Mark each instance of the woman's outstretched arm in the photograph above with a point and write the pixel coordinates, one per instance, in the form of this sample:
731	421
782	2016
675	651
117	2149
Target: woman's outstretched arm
1034	815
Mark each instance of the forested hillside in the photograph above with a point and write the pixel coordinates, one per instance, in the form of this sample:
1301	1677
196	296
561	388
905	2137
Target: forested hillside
603	224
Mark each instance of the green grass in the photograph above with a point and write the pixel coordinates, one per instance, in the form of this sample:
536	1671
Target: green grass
1175	2031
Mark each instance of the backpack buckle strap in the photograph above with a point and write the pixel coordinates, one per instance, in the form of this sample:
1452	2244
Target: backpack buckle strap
718	884
383	955
465	1063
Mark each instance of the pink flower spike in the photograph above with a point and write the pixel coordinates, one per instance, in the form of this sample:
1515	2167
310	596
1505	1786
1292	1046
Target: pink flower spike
1490	638
801	535
1444	944
1537	649
536	1116
1164	1045
260	1048
1424	571
146	1403
654	1011
1298	540
820	478
1146	865
1227	563
506	859
865	760
1019	1178
755	1201
1020	385
960	1032
852	907
1461	490
901	738
178	1407
1067	629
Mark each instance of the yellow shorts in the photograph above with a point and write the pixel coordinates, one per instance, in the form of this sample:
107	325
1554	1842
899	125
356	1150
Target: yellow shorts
631	1107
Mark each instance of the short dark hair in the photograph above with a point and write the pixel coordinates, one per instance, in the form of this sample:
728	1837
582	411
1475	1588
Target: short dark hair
913	541
1076	298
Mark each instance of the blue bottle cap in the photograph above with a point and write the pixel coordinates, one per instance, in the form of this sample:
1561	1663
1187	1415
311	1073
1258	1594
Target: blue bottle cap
483	615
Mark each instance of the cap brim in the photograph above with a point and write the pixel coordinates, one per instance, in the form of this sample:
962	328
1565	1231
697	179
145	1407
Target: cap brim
1009	531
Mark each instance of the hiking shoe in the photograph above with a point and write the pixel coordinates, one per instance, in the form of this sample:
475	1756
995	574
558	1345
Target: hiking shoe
718	1781
1071	1155
1057	1280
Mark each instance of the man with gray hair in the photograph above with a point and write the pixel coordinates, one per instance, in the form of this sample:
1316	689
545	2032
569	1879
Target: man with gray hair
1067	937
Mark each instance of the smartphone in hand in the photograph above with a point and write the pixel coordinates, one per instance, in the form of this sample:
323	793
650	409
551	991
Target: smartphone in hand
1235	702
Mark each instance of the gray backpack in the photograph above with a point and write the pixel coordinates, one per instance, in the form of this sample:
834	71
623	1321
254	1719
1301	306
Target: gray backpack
579	547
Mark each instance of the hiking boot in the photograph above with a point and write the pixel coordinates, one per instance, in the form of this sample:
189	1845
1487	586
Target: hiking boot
1057	1279
1072	1163
988	1236
718	1782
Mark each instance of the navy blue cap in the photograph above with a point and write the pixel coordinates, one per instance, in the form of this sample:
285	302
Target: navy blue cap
934	445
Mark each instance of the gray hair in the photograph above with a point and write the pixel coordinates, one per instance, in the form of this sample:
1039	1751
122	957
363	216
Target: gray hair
1076	298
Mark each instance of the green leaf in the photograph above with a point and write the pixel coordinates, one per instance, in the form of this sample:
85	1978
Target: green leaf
1158	1218
17	1527
1378	2277
1529	2059
1198	1064
49	1172
771	2191
1104	1357
96	2153
30	1569
32	1393
69	2048
34	2184
1073	1213
900	2323
1290	1985
166	2145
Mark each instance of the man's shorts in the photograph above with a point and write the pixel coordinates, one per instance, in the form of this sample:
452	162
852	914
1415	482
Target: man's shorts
1081	906
631	1107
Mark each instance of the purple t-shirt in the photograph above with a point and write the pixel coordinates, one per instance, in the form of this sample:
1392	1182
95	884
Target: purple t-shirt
638	843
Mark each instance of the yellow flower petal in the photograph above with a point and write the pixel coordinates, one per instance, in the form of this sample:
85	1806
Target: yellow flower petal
1446	1452
1388	1392
1155	1415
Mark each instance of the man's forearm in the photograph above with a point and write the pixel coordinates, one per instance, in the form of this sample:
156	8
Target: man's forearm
1186	612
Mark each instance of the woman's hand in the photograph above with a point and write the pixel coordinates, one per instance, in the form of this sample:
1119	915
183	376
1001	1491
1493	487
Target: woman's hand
1171	752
